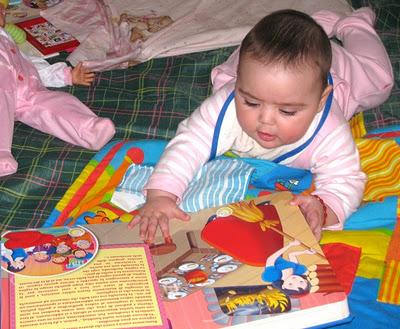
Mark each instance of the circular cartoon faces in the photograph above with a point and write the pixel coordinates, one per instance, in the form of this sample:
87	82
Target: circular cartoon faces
47	251
191	275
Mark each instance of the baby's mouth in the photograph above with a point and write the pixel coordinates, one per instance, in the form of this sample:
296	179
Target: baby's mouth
265	137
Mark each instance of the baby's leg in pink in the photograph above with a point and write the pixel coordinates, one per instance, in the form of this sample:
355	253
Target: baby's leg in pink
66	117
362	63
8	165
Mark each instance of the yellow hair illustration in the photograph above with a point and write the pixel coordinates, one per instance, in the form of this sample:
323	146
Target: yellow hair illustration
276	300
249	212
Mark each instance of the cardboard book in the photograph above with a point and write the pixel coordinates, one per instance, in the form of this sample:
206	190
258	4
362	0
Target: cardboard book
250	264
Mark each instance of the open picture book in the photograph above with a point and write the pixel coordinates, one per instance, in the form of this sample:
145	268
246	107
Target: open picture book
249	264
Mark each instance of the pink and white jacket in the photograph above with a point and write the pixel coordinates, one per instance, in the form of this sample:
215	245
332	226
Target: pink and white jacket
362	79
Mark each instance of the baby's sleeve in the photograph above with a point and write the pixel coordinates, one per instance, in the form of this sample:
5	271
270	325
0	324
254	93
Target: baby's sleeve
52	75
338	177
190	148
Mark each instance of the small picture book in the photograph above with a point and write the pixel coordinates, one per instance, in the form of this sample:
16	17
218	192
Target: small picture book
59	277
46	37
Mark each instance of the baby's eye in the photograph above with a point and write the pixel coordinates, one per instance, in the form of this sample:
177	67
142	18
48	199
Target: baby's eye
249	103
287	112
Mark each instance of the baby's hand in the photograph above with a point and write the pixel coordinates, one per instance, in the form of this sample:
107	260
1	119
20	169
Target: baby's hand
81	75
159	208
312	210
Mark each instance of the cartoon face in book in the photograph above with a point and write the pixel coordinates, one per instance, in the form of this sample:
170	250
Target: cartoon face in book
201	270
46	251
288	275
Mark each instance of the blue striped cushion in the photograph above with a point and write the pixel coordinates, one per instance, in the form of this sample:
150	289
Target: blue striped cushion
218	182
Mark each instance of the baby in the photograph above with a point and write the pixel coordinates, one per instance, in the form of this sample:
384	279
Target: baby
284	96
24	97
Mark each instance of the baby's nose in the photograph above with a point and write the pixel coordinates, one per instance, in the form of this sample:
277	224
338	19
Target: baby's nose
267	116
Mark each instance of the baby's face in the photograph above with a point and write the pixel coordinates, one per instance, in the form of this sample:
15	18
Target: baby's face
275	105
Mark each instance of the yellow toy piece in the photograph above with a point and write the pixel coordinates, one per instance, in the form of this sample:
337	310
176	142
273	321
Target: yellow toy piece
18	34
373	244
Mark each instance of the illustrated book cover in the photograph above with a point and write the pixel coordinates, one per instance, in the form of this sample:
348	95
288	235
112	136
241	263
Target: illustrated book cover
250	264
46	37
59	277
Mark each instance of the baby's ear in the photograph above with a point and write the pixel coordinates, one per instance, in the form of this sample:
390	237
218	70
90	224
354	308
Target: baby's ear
324	97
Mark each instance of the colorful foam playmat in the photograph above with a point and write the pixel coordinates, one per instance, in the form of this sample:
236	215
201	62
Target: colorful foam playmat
374	228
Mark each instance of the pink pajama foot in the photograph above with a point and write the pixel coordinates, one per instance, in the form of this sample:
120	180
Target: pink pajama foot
327	20
97	133
8	165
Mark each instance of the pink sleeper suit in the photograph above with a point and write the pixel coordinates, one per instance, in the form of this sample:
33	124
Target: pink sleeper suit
25	98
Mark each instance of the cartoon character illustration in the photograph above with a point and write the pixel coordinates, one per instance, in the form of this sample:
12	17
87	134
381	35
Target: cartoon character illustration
250	223
59	259
14	258
63	249
36	252
19	245
99	218
42	253
82	254
252	300
82	241
287	275
63	244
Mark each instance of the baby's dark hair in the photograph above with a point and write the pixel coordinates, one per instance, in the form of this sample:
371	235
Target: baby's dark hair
289	38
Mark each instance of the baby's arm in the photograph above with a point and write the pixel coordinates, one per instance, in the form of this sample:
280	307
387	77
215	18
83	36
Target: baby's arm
160	206
52	75
60	74
338	178
181	160
362	70
190	148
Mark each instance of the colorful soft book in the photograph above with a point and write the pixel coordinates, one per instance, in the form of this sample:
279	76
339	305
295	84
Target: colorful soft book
58	278
46	37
